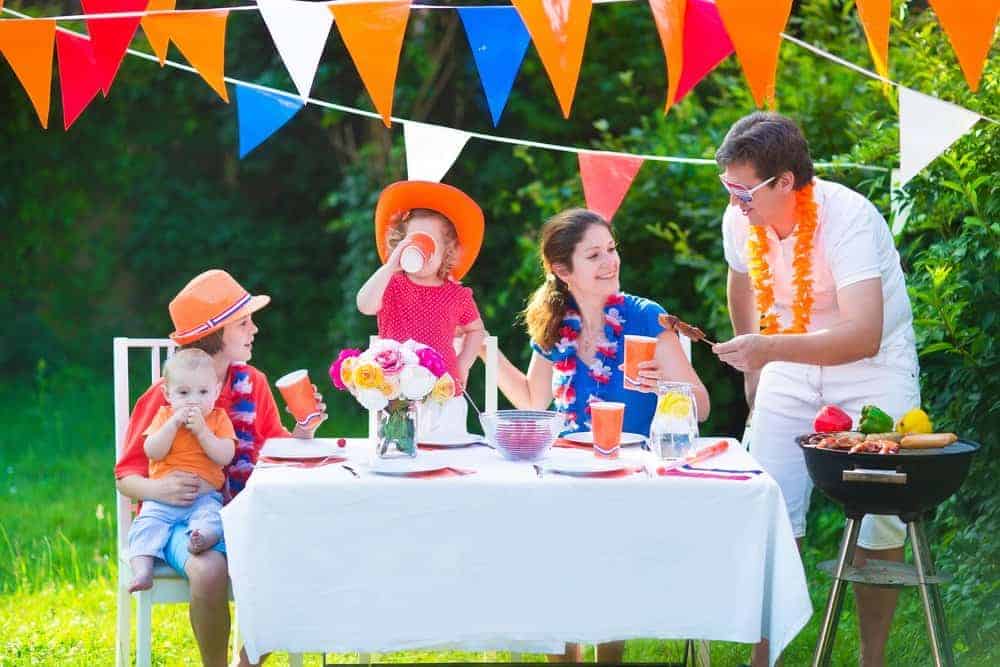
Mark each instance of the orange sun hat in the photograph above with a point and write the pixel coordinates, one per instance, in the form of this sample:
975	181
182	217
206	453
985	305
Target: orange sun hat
449	201
209	302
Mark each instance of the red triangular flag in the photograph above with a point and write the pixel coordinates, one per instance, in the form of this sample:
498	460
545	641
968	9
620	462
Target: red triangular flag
706	44
606	179
27	45
111	37
78	74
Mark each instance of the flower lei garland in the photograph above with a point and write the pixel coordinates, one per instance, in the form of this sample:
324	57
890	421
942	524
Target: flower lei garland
243	413
760	272
564	358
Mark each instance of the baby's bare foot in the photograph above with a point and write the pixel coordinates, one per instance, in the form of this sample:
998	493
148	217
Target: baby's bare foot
142	574
201	541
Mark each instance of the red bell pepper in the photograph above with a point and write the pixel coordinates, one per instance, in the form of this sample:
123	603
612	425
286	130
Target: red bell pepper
830	418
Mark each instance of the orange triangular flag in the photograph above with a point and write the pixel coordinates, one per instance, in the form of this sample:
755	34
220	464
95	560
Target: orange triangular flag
559	31
373	33
874	16
159	38
755	28
27	45
669	17
201	37
970	26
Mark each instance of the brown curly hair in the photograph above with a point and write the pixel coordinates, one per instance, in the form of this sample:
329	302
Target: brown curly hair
557	241
400	224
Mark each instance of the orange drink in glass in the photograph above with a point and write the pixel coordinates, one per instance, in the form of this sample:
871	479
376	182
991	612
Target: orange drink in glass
606	421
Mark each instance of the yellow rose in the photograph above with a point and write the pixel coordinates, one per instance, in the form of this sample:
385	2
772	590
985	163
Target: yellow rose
347	371
443	389
368	375
390	388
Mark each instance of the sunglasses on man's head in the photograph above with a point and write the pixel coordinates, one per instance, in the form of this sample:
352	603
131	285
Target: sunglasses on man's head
742	192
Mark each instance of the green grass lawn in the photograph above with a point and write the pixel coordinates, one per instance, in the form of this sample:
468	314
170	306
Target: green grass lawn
57	561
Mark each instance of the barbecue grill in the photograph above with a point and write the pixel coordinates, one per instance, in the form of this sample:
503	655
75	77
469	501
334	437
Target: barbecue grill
909	484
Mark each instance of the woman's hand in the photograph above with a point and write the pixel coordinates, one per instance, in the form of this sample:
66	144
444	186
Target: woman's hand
307	432
746	353
650	375
178	488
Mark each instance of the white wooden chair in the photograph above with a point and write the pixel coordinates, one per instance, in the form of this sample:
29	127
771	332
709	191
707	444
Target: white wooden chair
168	586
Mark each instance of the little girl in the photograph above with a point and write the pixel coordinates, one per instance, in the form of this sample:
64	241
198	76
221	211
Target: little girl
428	305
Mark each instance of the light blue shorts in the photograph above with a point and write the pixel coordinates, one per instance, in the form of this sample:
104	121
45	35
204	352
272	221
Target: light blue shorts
176	552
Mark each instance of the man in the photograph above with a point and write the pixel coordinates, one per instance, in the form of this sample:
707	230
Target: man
821	316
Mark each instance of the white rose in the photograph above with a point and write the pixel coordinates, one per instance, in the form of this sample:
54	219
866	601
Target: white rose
372	399
415	382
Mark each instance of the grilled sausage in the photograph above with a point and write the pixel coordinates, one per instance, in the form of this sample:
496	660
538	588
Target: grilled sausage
895	437
927	440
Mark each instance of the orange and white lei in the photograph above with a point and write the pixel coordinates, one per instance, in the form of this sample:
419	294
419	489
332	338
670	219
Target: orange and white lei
763	280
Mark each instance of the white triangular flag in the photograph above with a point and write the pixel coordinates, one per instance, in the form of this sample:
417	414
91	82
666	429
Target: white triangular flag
927	127
431	150
299	30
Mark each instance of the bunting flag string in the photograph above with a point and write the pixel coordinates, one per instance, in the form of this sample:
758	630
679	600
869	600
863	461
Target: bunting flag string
706	44
874	15
111	37
755	28
606	180
78	59
669	18
970	26
927	127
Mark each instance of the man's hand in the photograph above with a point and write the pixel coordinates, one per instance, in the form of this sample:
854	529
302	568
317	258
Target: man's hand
746	353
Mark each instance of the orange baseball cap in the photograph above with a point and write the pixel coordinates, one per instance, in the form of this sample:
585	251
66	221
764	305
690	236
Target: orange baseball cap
209	302
451	202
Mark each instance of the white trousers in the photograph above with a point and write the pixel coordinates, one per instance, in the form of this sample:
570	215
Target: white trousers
788	398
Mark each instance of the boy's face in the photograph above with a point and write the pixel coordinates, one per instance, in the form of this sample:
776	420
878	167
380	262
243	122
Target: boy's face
433	228
197	388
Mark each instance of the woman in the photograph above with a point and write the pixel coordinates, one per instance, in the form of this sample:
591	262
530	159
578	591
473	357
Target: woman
212	313
577	321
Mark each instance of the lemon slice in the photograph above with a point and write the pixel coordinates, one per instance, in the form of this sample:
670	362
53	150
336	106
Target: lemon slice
673	404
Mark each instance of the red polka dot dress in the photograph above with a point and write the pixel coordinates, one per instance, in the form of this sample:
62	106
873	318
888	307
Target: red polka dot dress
428	315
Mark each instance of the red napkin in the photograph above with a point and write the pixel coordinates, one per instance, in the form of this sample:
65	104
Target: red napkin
302	462
440	472
563	442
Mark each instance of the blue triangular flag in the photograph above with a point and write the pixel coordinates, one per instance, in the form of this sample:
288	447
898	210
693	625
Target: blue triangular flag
261	114
498	40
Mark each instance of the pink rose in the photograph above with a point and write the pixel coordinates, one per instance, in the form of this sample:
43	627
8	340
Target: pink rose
432	361
390	360
335	367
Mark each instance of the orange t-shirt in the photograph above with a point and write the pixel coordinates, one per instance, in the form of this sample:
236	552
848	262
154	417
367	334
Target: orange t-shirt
186	453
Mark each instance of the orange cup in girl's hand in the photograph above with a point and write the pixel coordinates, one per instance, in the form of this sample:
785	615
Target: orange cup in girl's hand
637	350
606	420
421	247
299	395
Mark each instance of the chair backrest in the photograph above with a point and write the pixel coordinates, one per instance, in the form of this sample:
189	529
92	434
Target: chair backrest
156	348
685	345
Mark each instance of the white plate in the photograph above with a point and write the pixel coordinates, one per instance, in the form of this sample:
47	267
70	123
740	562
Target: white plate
459	440
587	438
585	465
297	448
404	466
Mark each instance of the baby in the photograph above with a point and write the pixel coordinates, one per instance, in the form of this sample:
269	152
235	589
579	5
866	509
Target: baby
427	303
192	435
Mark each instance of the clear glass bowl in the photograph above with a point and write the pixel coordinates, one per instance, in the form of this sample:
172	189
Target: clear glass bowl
522	435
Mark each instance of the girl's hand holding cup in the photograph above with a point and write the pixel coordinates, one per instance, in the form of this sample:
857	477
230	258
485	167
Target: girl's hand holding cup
303	401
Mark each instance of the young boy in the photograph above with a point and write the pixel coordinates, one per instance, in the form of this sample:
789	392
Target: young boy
190	435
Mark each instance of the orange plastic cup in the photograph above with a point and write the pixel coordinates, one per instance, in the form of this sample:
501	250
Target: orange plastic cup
606	421
415	255
299	395
637	350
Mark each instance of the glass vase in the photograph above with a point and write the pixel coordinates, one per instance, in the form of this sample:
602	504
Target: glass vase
397	430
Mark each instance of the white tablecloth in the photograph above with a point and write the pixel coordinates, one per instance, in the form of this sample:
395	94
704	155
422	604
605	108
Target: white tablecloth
503	559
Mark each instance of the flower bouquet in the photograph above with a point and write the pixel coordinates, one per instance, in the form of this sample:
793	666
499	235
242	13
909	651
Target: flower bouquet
392	378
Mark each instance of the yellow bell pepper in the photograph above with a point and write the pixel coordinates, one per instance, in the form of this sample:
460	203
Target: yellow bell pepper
915	421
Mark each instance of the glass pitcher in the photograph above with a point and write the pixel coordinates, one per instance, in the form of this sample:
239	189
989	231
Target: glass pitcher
675	423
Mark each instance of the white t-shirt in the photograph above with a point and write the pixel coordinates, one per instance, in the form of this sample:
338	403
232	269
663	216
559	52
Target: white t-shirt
853	243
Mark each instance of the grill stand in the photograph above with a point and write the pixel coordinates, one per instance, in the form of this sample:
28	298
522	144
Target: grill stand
926	578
